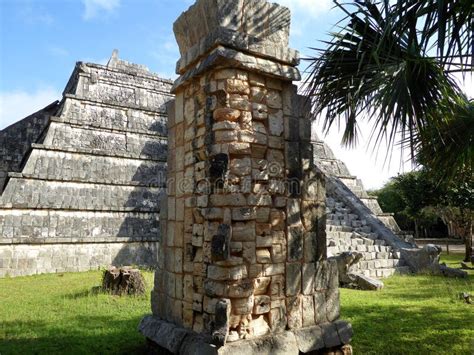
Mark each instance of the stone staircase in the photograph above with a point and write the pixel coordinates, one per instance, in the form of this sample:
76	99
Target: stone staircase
347	231
355	222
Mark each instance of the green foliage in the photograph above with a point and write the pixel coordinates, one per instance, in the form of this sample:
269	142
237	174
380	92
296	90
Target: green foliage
381	67
419	200
390	200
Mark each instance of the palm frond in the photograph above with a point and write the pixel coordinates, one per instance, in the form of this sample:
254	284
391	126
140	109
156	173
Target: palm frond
370	70
447	147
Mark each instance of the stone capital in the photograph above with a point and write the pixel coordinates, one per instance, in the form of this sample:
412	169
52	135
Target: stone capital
253	27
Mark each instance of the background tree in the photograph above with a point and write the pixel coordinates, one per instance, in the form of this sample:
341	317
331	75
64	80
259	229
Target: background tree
392	63
419	201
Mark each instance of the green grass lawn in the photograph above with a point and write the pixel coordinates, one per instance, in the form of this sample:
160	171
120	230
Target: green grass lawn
413	315
51	314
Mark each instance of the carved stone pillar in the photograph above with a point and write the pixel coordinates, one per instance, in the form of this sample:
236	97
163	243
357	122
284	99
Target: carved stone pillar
243	252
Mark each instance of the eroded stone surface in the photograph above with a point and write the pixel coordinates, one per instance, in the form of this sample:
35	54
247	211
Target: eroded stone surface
92	183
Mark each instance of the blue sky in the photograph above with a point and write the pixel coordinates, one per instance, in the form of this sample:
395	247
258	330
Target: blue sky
40	41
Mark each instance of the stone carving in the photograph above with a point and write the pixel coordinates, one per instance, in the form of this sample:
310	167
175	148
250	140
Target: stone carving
244	261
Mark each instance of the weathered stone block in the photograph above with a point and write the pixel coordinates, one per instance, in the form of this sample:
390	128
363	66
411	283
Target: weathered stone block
221	273
221	322
294	312
309	339
226	114
220	246
293	279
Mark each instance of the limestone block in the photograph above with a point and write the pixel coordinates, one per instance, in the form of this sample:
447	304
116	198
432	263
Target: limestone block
295	237
240	102
344	330
258	94
309	339
263	256
263	215
255	270
242	306
293	279
221	322
281	344
163	333
261	285
330	335
274	269
243	231
221	273
239	148
225	125
275	122
278	319
244	214
261	304
226	136
226	114
259	200
277	220
236	86
308	311
249	252
309	271
294	312
278	253
220	200
332	305
241	167
259	111
197	302
189	110
274	99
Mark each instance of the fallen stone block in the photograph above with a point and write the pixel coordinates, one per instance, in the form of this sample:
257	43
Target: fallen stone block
450	272
366	283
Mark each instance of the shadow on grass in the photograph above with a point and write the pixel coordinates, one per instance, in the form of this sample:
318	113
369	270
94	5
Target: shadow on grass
94	291
85	335
419	314
392	329
427	287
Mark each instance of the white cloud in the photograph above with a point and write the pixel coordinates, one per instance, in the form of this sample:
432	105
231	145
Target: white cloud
307	8
93	8
17	105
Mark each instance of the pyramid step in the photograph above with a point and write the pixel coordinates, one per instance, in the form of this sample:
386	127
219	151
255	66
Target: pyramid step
336	228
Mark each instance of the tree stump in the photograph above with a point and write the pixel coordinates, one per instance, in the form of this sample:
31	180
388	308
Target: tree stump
123	281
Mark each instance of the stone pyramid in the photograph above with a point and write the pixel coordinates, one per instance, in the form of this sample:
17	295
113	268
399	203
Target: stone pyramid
80	180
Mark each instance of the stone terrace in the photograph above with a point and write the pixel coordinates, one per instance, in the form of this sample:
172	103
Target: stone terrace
84	189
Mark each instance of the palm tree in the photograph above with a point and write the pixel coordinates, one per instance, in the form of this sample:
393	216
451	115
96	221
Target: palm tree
393	63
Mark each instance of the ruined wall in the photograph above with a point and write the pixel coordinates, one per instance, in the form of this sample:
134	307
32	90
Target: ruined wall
16	140
88	194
